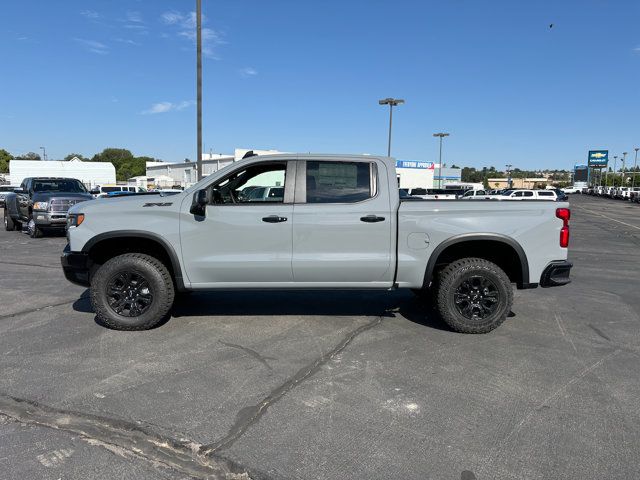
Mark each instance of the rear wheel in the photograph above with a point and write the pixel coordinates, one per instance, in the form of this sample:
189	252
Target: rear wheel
474	295
132	291
9	224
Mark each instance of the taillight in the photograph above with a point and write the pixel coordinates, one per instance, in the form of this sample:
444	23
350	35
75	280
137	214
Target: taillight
564	214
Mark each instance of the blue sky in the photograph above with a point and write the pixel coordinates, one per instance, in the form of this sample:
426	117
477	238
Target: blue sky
294	75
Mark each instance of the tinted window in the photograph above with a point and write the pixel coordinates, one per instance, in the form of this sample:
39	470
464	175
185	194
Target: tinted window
338	182
67	185
545	194
480	192
528	194
419	191
517	194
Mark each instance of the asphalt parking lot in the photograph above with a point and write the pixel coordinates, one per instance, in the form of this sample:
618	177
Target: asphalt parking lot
299	385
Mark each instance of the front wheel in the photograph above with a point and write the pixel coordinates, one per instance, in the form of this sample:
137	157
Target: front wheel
132	291
33	229
474	295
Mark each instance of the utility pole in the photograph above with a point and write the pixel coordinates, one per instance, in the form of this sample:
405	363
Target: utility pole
392	102
635	165
509	175
624	160
199	87
44	154
441	135
615	166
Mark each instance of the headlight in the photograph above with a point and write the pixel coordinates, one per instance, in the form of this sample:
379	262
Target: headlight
40	205
75	219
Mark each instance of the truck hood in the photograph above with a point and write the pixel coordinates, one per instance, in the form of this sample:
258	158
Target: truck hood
126	202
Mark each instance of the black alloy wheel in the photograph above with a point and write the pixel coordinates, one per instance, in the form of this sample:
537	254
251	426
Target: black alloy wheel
476	297
129	294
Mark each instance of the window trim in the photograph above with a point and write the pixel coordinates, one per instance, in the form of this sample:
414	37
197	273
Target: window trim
289	184
301	181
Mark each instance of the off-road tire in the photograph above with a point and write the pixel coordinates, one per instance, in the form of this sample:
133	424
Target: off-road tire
454	275
9	224
160	284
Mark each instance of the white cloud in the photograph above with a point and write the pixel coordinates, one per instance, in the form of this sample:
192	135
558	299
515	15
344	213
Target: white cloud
93	46
164	107
636	50
134	17
248	72
128	41
185	25
92	14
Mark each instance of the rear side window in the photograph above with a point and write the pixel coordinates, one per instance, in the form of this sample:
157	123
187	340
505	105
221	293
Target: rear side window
528	194
545	194
339	182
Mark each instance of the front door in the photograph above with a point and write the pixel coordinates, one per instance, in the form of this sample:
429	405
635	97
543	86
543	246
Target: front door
343	224
245	236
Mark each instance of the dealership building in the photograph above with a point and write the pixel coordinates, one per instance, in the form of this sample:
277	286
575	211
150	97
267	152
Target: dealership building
91	174
418	174
185	174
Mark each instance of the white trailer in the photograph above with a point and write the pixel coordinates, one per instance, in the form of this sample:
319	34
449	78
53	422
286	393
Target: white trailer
92	174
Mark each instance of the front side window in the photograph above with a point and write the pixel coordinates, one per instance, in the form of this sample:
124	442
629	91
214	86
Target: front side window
339	182
258	183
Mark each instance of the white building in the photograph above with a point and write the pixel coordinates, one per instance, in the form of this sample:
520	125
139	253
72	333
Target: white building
91	174
418	174
185	174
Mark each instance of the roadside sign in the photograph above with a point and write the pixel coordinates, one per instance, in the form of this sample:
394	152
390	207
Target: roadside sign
598	158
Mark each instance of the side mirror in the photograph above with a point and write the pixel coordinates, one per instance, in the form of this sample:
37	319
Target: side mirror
200	202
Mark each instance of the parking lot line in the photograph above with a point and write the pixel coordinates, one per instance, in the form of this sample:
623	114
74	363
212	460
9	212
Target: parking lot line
605	216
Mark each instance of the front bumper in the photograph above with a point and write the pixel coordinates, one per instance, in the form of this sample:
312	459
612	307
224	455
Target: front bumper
556	274
50	219
76	266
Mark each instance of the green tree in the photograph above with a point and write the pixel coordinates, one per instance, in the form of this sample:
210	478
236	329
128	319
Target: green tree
29	156
125	163
4	161
79	155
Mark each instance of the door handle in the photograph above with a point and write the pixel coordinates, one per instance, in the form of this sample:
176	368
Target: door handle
371	219
274	219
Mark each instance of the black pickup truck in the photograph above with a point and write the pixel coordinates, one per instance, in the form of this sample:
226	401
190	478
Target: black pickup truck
41	204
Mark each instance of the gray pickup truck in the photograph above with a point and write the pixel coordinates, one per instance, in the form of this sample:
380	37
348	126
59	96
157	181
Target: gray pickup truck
333	222
41	204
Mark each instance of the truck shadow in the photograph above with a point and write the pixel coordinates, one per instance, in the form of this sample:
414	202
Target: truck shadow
399	304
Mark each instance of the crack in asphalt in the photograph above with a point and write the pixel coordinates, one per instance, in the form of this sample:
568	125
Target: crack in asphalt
4	262
180	455
250	415
31	310
251	353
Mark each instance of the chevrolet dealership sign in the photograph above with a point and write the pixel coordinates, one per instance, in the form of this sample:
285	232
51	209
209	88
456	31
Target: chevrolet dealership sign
598	158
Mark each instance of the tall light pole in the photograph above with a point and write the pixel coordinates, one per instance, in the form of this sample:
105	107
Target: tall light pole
441	135
635	165
624	161
615	166
392	102
199	87
44	154
508	166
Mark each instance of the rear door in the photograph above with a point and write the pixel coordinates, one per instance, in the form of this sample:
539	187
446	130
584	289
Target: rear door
342	229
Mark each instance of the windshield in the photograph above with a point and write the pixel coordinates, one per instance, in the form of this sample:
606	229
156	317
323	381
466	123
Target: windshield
63	185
